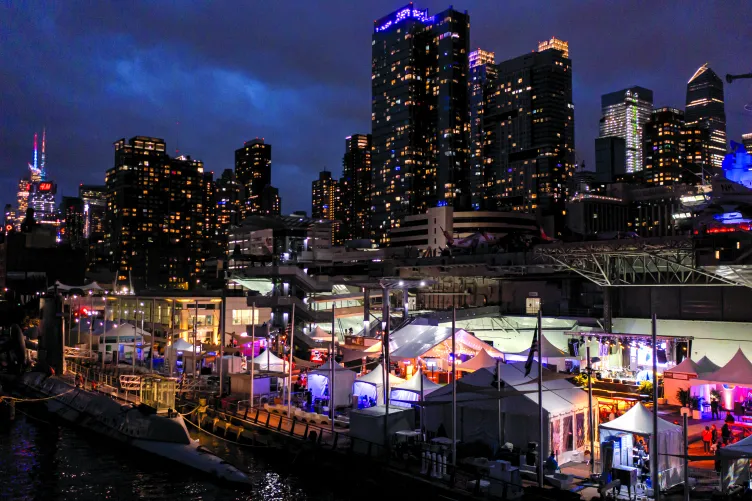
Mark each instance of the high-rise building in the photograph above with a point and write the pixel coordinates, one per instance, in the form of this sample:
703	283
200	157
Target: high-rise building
705	108
271	203
94	198
253	169
528	128
73	214
325	199
555	44
482	76
355	188
228	201
156	210
610	158
747	142
664	147
624	114
419	114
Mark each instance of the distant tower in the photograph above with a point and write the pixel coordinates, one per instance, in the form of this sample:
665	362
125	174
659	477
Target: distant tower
42	170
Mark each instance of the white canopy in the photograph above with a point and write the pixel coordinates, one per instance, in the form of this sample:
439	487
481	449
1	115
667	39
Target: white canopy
738	370
268	361
93	287
480	361
319	384
181	345
639	421
128	330
409	391
706	365
549	350
371	385
321	335
413	340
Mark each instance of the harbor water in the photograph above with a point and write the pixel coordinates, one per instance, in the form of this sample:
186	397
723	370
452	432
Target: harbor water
44	460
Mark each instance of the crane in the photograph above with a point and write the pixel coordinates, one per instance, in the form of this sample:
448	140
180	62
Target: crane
730	78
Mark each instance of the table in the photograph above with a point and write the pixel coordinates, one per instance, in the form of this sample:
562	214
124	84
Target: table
627	475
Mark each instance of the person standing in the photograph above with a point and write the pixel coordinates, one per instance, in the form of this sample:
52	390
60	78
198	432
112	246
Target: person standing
714	432
706	438
726	433
714	414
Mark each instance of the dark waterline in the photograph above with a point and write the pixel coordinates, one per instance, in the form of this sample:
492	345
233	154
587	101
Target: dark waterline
41	460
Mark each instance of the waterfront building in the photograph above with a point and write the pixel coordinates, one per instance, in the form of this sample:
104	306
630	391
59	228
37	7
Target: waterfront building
482	75
706	109
253	170
355	188
529	137
325	201
419	114
156	210
624	114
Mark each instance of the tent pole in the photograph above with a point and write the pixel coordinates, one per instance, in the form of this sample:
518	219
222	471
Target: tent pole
333	360
591	421
654	450
385	350
153	340
222	329
686	458
454	391
540	396
498	388
289	361
253	352
420	417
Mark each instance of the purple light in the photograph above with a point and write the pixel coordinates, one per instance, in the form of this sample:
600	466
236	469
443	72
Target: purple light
406	13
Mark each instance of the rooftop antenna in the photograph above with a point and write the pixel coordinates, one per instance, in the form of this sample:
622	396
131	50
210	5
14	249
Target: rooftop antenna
177	139
42	171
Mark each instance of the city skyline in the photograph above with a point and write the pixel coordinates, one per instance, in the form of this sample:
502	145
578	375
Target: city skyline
90	94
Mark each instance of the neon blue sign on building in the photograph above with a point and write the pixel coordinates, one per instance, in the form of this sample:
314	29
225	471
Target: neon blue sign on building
406	13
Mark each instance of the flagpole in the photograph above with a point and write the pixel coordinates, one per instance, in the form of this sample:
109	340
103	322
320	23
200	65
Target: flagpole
654	448
253	354
289	361
498	388
454	392
540	396
591	429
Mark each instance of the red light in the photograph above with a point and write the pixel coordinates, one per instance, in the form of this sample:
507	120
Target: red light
45	186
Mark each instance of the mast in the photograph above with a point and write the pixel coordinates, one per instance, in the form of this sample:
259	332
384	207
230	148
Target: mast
43	172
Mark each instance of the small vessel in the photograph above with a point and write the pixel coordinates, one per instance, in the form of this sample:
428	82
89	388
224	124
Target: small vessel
164	436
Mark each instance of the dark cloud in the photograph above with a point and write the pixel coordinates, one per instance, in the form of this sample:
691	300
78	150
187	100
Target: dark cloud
208	75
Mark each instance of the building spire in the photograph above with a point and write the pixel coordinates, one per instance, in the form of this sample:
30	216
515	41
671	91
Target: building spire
43	171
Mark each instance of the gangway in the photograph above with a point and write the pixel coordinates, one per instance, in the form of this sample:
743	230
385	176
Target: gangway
72	352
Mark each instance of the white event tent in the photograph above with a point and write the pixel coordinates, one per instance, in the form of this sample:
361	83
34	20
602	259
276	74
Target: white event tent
410	390
483	410
552	355
269	362
319	384
678	377
639	421
482	360
733	381
372	384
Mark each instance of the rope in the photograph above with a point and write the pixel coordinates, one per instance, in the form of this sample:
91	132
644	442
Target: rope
22	400
189	413
224	439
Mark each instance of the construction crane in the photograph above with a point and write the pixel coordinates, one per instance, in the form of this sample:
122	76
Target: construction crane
730	78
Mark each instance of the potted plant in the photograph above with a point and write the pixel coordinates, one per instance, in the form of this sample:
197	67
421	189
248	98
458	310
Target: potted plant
682	395
695	402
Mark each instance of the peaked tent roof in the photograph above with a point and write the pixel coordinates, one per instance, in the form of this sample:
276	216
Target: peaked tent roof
375	377
413	340
128	330
639	420
413	384
479	361
181	345
321	335
549	350
270	362
738	370
742	448
706	365
687	366
326	368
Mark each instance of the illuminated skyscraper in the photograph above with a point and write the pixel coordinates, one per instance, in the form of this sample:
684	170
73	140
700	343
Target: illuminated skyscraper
664	147
355	188
228	199
528	127
624	114
253	169
419	118
705	108
94	198
157	215
325	200
482	77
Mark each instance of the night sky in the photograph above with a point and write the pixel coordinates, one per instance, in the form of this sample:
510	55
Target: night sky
298	74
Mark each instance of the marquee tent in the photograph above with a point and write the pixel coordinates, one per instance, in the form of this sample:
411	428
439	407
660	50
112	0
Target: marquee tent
93	287
678	377
706	365
738	370
319	384
417	340
552	355
639	421
483	410
372	384
409	391
480	361
268	361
